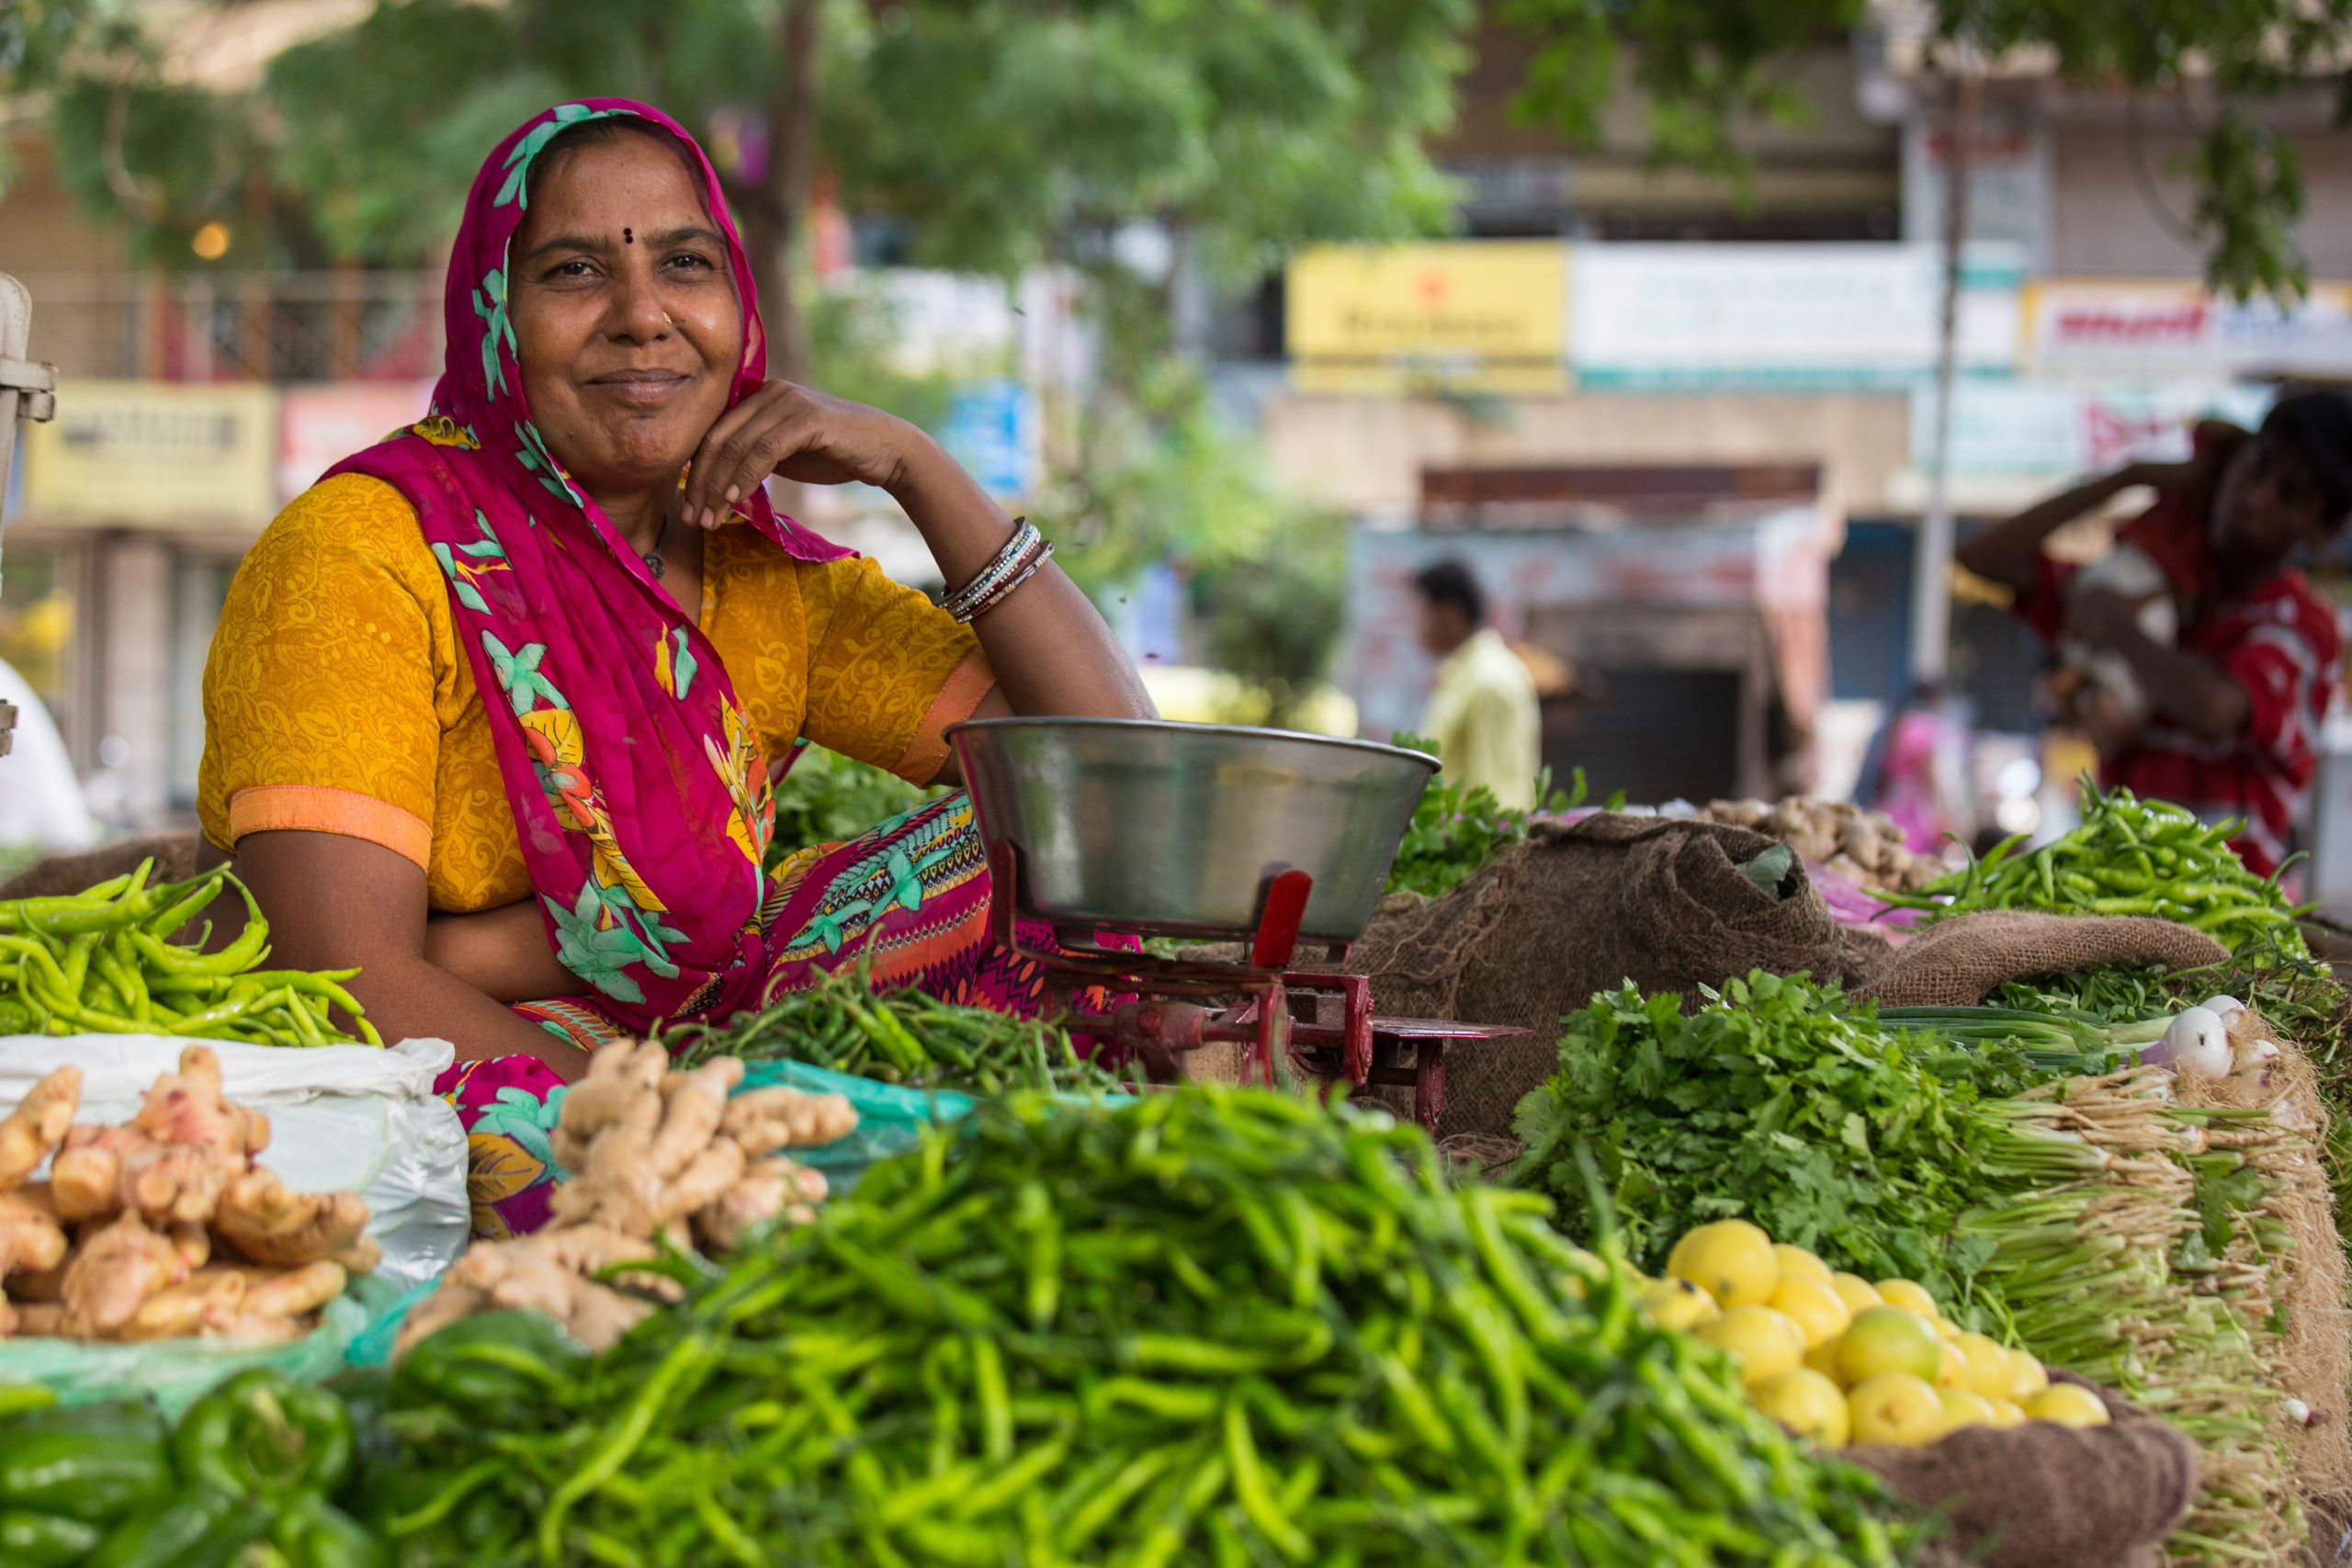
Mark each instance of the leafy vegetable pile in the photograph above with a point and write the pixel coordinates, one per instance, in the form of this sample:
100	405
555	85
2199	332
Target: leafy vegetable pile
1458	830
101	961
905	1037
828	797
1218	1326
2128	857
1778	1105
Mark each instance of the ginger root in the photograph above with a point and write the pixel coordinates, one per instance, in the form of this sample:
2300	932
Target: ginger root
171	1161
113	1274
158	1200
32	1237
30	1133
769	1119
268	1223
652	1153
546	1272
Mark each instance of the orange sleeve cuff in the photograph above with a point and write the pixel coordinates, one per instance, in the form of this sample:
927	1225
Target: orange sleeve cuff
314	808
969	682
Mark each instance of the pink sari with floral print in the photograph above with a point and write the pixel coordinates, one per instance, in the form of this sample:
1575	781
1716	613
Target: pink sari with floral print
640	792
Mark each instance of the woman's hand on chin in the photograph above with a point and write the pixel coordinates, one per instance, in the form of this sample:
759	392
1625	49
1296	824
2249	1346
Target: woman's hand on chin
805	436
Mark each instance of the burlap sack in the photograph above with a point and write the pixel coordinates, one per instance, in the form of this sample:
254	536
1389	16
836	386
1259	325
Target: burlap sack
55	876
1583	907
2043	1496
1956	962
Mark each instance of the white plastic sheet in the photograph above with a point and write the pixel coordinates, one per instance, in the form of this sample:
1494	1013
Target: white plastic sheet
340	1116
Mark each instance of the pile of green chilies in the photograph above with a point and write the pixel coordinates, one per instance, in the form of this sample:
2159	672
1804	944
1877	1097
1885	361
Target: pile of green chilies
2128	857
101	961
904	1037
1218	1326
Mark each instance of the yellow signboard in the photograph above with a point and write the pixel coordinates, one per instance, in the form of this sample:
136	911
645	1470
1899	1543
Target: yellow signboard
1484	314
154	453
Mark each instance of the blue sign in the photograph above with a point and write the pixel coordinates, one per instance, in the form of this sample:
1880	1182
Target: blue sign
993	430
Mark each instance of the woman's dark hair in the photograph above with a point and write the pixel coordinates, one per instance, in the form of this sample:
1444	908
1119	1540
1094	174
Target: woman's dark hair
2319	425
603	133
1450	582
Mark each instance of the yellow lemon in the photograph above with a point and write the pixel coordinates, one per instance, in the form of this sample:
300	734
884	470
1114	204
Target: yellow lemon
1888	1339
1962	1408
2028	1379
1855	1291
1765	1343
1806	1403
1796	1260
1812	1305
1730	1259
1951	1366
1679	1304
2006	1413
1895	1407
1990	1371
1823	1358
2069	1405
1910	1295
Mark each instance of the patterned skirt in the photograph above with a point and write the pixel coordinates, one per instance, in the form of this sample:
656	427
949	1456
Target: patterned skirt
912	892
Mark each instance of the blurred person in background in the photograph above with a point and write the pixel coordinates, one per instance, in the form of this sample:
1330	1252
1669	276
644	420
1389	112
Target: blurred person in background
2223	659
1483	710
1921	765
42	808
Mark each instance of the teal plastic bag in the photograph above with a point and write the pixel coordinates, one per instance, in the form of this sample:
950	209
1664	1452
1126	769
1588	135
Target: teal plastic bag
178	1372
890	1120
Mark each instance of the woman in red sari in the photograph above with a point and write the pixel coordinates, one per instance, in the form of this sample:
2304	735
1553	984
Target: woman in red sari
492	710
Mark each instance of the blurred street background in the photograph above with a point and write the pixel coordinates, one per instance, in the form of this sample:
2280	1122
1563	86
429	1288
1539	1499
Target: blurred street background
1259	309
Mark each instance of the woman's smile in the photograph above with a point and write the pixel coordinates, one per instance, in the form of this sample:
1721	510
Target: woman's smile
645	389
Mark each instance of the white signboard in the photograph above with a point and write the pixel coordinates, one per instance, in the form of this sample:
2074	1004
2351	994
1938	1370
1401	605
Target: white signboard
2120	328
2059	430
1779	315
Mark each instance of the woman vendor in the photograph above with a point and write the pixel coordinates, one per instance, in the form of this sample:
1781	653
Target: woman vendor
491	709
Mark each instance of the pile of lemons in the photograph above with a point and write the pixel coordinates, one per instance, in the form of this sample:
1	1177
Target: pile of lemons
1836	1358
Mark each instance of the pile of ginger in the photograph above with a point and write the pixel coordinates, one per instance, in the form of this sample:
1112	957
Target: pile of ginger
164	1226
655	1155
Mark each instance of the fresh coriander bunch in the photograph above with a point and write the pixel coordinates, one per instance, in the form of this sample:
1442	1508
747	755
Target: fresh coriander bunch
1777	1102
1457	831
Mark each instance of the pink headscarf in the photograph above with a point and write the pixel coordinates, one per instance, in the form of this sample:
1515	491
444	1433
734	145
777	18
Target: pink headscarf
640	792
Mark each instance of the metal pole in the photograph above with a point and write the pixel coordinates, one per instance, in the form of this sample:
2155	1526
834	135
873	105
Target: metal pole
1931	565
25	388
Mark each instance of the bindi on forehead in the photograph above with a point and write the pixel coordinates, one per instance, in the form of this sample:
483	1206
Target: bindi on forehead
627	237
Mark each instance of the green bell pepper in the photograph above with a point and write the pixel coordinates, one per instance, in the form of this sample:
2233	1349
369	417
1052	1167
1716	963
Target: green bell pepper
263	1435
91	1462
489	1363
17	1398
44	1541
199	1528
311	1532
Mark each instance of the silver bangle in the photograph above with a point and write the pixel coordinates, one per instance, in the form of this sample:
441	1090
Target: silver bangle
1001	566
1044	553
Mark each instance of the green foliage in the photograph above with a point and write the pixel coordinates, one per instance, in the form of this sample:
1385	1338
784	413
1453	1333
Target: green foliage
1705	64
1779	1103
828	797
1276	621
1456	830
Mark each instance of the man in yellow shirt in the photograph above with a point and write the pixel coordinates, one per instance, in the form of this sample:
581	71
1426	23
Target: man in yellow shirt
1483	712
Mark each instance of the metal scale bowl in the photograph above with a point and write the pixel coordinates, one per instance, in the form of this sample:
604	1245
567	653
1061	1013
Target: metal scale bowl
1106	828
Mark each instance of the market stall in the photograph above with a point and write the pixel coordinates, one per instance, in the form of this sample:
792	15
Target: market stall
1797	1246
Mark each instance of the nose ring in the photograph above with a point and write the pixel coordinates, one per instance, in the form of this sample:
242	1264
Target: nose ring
666	320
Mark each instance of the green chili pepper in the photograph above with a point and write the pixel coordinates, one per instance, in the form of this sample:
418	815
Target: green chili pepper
311	1532
491	1361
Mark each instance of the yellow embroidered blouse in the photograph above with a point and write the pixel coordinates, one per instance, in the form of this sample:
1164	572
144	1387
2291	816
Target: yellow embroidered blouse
336	699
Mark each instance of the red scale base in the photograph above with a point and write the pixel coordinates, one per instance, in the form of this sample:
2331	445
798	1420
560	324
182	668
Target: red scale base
1323	1018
